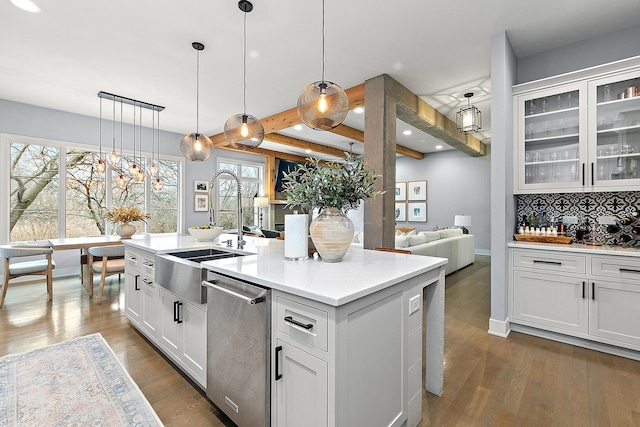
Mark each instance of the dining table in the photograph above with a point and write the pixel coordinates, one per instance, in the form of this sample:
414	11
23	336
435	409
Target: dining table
83	244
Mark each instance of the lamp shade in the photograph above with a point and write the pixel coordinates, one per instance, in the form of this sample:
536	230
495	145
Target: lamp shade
462	221
196	147
323	105
260	202
469	118
243	131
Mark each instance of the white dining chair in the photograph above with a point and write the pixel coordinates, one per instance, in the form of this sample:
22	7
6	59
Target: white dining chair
38	267
99	262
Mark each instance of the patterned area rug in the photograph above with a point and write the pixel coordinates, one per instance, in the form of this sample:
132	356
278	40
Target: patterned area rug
79	382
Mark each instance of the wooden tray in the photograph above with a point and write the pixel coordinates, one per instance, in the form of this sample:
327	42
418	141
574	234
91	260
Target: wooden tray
542	239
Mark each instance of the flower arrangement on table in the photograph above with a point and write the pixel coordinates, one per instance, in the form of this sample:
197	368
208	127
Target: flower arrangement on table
126	214
334	189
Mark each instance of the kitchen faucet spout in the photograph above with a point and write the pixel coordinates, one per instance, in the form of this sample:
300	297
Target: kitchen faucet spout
212	219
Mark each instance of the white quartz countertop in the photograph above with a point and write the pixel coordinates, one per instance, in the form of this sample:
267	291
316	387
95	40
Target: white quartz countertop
576	247
361	272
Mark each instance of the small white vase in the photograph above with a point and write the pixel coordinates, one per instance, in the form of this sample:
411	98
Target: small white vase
331	233
125	230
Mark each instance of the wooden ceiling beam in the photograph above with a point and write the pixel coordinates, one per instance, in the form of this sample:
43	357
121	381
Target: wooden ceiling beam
265	152
290	141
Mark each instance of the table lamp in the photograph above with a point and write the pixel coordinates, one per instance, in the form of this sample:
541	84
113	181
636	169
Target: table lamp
260	203
462	221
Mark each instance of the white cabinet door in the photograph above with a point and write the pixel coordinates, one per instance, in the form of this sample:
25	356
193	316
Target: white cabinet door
150	308
170	331
615	311
553	302
194	339
551	140
301	393
133	296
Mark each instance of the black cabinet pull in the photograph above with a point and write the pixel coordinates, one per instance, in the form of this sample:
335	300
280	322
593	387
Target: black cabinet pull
592	173
583	174
278	351
179	318
306	326
629	270
538	261
175	311
583	283
136	285
593	290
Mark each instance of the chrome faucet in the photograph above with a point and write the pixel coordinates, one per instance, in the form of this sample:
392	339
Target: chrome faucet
212	219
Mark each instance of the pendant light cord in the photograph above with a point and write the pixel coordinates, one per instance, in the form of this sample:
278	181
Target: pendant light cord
197	93
121	124
100	127
113	126
322	41
244	69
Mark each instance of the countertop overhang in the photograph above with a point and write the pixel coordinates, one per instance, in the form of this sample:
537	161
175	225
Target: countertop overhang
361	272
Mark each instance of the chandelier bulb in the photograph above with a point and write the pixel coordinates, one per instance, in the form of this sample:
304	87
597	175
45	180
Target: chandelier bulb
133	170
153	169
157	184
101	167
323	105
244	130
121	182
197	145
113	157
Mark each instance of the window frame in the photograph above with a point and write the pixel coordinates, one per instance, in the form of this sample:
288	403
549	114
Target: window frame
7	139
240	163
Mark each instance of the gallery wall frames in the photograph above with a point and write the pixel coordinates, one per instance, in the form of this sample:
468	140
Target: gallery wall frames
417	190
200	186
401	212
401	191
201	203
417	211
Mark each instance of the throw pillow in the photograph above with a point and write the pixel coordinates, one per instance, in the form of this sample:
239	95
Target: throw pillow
430	236
418	239
402	241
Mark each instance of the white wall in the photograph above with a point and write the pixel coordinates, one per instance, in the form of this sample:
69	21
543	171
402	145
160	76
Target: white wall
456	184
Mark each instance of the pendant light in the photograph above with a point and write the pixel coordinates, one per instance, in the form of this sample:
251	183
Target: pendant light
157	184
243	131
195	146
101	167
469	118
139	173
121	182
113	156
152	169
350	161
323	105
133	167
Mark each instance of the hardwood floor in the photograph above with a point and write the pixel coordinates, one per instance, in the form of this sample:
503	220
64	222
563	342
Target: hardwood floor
489	381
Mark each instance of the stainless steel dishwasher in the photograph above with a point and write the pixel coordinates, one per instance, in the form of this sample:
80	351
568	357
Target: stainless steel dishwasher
238	356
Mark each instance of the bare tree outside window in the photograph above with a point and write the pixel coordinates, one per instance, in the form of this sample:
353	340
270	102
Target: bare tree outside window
250	176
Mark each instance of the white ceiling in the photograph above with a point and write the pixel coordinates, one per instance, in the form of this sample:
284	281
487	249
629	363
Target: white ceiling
63	56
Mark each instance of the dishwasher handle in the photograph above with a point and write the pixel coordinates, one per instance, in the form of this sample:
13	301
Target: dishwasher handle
248	299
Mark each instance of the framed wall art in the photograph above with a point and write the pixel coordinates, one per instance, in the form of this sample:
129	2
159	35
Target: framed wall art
417	212
200	186
417	190
401	212
201	203
401	191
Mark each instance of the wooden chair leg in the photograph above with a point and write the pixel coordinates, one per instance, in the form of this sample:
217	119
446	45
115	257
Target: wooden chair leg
103	275
49	277
6	282
89	284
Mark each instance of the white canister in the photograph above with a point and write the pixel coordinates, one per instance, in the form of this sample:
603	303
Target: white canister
296	237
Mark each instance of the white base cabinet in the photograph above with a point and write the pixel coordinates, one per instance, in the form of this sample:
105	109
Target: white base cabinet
585	303
359	364
176	327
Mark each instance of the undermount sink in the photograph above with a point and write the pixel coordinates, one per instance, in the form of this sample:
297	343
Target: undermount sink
180	272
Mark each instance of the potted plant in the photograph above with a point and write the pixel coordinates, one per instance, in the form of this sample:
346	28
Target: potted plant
122	216
333	189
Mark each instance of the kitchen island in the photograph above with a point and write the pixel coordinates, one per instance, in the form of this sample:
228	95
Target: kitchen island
360	363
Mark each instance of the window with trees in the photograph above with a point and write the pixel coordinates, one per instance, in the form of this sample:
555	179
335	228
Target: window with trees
55	191
251	176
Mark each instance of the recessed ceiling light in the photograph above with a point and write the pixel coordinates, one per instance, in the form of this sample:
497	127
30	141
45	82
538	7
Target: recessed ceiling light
27	5
358	110
438	147
406	132
298	127
307	151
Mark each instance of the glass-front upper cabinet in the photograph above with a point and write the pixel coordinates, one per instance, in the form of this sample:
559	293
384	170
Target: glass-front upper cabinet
551	154
614	131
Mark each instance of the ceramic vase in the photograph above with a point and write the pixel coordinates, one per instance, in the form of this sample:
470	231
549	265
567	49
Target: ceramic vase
125	230
331	233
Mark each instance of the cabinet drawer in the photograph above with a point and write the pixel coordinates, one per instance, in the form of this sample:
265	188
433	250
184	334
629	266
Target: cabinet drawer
133	260
618	267
302	322
148	266
550	261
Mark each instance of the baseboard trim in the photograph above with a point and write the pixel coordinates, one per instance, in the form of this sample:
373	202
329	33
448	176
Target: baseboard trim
499	328
483	252
579	342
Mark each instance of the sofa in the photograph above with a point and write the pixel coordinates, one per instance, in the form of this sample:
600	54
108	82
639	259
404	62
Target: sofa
449	243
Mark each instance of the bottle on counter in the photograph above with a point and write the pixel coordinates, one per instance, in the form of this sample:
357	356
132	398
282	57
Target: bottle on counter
521	230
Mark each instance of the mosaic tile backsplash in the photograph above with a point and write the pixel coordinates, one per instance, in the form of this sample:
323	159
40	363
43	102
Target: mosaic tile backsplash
591	206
